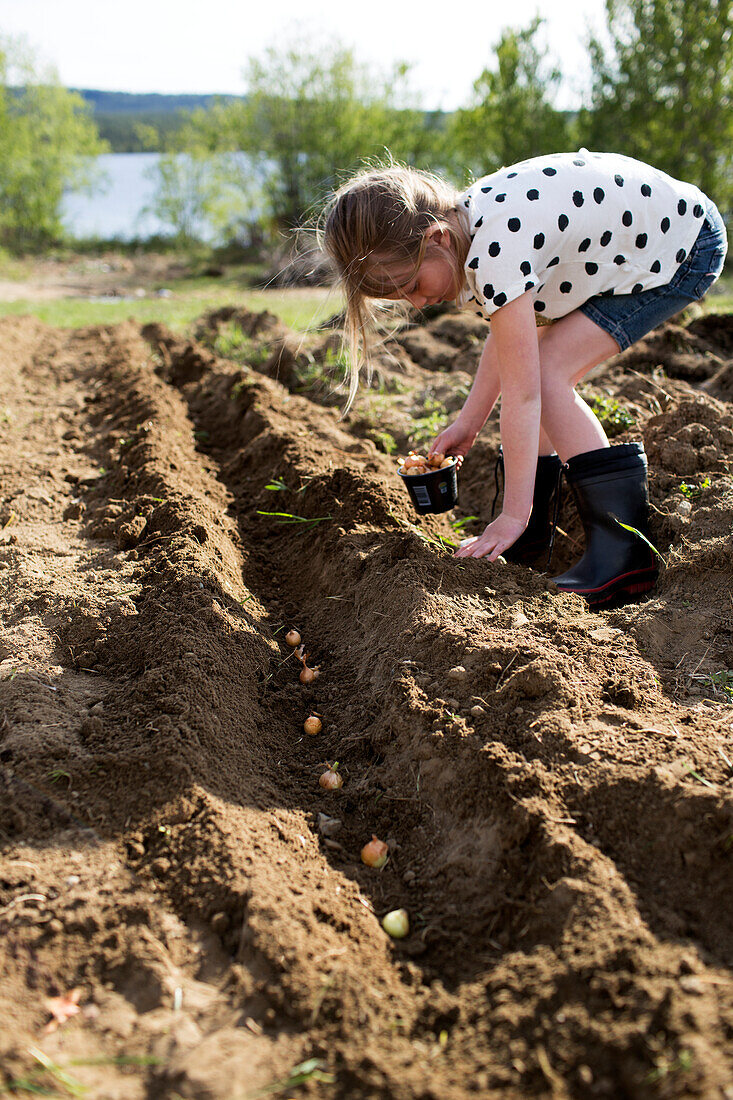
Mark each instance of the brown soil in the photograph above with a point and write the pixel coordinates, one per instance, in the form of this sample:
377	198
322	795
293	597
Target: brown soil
556	786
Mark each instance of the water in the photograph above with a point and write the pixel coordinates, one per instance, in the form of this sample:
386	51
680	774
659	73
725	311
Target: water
116	208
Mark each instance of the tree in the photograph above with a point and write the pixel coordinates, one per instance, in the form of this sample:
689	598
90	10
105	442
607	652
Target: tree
200	194
47	144
513	116
310	116
663	92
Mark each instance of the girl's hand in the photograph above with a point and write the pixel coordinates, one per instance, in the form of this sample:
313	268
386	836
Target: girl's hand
497	538
456	440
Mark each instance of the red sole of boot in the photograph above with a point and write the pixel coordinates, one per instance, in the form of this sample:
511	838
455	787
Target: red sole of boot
625	593
627	587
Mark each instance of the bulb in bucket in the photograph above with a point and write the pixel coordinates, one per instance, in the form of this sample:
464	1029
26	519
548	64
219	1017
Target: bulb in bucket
431	481
417	464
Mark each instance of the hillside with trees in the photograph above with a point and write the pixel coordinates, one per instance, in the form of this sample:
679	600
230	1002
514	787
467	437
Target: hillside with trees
250	167
134	122
660	90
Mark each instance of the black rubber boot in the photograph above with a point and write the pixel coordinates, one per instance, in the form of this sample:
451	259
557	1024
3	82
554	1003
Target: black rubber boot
535	539
611	484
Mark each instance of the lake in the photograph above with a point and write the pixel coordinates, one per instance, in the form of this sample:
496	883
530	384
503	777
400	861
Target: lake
117	206
126	186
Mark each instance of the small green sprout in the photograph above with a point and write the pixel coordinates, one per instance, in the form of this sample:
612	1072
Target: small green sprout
635	531
439	542
57	774
721	682
682	1063
288	517
691	492
310	1070
459	524
701	779
384	440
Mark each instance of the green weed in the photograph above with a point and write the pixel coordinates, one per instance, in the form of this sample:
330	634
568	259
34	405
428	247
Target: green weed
700	778
288	517
459	524
311	1070
384	440
436	542
278	485
427	426
373	413
721	682
310	374
694	491
387	384
231	342
682	1063
57	774
635	531
614	417
240	386
336	361
37	1082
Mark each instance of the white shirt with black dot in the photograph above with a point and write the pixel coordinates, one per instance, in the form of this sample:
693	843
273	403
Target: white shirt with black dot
569	226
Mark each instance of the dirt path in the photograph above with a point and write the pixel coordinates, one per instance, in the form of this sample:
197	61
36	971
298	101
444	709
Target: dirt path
556	787
110	274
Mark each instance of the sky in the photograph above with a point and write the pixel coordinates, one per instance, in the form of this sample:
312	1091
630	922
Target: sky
202	46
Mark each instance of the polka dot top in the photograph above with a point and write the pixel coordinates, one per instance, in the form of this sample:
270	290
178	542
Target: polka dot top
569	226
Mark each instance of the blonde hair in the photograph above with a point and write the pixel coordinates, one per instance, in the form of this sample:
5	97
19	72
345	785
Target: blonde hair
380	218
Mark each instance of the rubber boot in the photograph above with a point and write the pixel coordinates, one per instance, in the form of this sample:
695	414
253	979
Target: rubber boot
611	485
537	534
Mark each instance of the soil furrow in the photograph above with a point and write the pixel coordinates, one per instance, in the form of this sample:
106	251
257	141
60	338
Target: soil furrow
557	806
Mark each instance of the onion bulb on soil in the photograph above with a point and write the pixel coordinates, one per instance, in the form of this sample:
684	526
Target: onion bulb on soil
331	780
292	638
313	725
307	675
374	853
396	924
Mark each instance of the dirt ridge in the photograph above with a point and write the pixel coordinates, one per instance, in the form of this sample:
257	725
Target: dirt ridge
557	804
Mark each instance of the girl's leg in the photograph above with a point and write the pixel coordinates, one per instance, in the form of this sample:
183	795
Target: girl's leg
568	350
546	447
490	364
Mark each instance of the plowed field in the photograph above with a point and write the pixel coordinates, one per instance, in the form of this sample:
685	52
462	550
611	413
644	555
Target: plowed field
555	785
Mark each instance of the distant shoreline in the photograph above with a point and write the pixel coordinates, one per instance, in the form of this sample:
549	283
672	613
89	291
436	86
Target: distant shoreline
140	122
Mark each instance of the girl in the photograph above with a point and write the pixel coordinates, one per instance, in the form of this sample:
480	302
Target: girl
607	247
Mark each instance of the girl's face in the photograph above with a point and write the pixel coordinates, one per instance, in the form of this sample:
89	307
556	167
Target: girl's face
436	280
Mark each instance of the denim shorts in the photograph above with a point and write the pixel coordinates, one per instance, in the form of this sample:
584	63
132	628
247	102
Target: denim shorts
628	317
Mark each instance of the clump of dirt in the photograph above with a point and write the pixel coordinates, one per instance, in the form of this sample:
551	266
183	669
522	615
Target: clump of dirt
555	785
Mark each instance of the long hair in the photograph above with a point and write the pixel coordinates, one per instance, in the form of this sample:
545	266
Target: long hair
379	219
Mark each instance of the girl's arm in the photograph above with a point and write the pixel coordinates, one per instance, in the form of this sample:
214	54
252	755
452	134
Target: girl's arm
459	437
515	340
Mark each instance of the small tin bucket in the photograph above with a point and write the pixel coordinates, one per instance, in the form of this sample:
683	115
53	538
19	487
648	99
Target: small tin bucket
436	491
